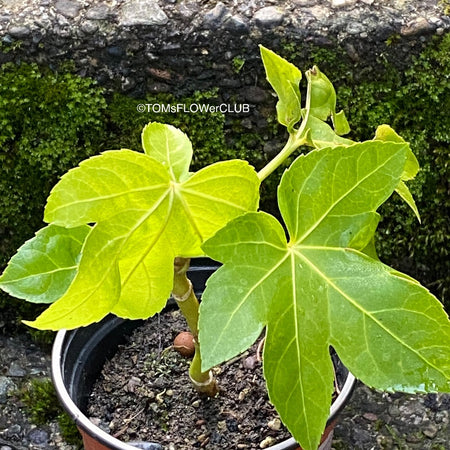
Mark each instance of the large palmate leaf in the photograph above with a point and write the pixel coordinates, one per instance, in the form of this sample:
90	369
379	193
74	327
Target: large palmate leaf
319	289
43	267
146	210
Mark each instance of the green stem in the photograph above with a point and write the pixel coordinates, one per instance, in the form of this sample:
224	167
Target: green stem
184	295
187	301
279	158
296	139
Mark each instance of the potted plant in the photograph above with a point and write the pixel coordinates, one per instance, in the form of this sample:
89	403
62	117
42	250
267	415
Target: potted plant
119	221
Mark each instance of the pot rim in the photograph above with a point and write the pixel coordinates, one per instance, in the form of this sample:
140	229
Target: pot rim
87	426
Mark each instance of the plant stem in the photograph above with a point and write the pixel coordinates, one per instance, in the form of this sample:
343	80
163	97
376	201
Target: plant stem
184	295
296	139
292	144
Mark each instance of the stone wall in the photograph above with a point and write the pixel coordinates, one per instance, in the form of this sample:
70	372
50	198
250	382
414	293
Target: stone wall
140	46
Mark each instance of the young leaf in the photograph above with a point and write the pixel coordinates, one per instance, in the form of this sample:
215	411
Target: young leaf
144	219
322	102
387	134
284	77
321	135
305	289
44	266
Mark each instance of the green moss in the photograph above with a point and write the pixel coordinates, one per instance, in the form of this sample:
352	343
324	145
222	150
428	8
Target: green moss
41	403
445	5
212	139
10	47
237	63
39	398
69	430
393	39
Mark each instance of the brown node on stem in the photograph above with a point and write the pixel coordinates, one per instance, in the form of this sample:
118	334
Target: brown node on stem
184	344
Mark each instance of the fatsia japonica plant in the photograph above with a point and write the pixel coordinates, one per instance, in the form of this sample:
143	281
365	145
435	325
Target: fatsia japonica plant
123	225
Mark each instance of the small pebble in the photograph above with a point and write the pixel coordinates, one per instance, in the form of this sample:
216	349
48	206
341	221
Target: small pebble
7	386
274	424
243	394
267	442
38	436
132	384
95	420
196	404
222	426
430	431
15	370
12	431
250	362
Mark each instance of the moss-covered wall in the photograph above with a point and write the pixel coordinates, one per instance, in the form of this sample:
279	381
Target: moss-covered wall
50	120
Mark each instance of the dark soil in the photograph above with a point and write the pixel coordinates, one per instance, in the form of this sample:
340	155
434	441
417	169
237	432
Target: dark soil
145	394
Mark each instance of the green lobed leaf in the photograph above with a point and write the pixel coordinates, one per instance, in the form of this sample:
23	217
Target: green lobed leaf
404	333
261	233
319	289
44	266
284	77
105	184
143	220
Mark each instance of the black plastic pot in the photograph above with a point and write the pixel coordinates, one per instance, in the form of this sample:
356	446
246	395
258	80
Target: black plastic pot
79	355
